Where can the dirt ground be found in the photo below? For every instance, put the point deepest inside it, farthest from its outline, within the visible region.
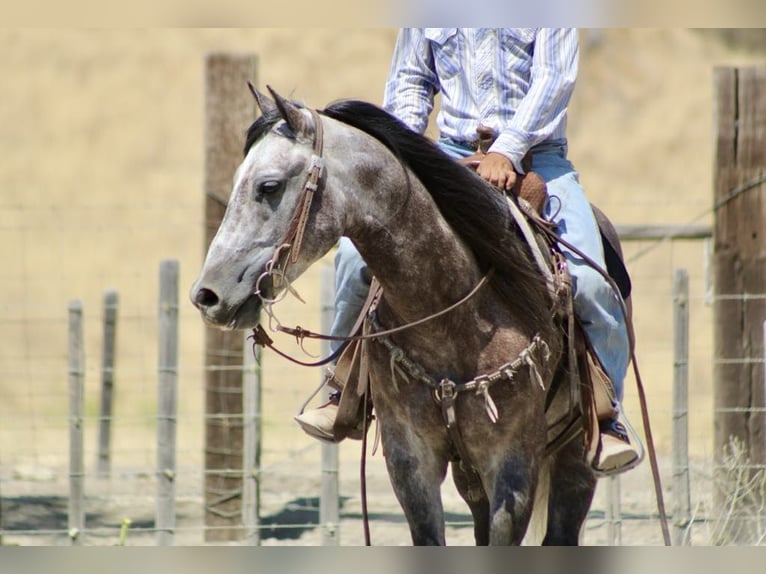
(34, 509)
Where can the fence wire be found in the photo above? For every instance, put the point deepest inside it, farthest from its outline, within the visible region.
(120, 508)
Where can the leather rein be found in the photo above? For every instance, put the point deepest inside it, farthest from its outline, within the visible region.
(291, 246)
(289, 251)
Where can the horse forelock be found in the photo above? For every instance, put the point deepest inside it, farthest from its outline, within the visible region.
(259, 128)
(270, 121)
(474, 209)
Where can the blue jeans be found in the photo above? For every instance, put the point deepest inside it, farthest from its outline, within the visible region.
(595, 303)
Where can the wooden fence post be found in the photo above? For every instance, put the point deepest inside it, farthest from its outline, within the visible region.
(167, 409)
(103, 462)
(681, 494)
(229, 110)
(76, 521)
(740, 285)
(329, 501)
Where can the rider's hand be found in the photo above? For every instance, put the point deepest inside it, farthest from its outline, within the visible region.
(497, 170)
(472, 161)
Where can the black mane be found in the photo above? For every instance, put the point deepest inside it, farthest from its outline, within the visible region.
(475, 210)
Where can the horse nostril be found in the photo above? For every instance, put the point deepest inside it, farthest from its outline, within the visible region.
(206, 298)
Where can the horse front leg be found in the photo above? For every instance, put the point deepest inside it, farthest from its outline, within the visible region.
(470, 487)
(571, 494)
(416, 476)
(512, 501)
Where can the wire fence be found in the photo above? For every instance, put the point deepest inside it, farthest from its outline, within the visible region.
(120, 506)
(105, 250)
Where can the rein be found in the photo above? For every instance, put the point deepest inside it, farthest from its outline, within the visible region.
(446, 390)
(639, 383)
(289, 251)
(261, 338)
(291, 246)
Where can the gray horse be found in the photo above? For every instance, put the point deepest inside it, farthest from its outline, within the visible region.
(431, 231)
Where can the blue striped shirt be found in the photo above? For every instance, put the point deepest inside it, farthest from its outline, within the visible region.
(515, 80)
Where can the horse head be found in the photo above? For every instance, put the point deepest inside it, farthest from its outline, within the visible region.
(257, 249)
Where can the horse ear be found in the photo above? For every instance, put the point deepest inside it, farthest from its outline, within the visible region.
(291, 114)
(265, 104)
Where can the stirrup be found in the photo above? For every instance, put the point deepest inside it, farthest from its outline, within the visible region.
(633, 439)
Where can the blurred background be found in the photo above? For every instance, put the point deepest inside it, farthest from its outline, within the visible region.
(102, 178)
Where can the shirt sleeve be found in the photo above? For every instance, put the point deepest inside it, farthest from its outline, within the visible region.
(412, 81)
(543, 108)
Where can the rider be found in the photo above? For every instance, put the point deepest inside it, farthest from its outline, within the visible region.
(518, 82)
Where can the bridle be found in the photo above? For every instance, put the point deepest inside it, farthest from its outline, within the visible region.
(297, 227)
(290, 246)
(288, 252)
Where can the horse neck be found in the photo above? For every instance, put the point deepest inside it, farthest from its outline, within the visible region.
(421, 263)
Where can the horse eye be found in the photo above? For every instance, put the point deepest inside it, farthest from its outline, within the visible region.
(270, 186)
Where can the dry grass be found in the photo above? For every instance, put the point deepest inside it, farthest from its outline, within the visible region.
(741, 489)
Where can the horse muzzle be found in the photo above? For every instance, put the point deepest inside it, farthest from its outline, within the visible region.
(227, 313)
